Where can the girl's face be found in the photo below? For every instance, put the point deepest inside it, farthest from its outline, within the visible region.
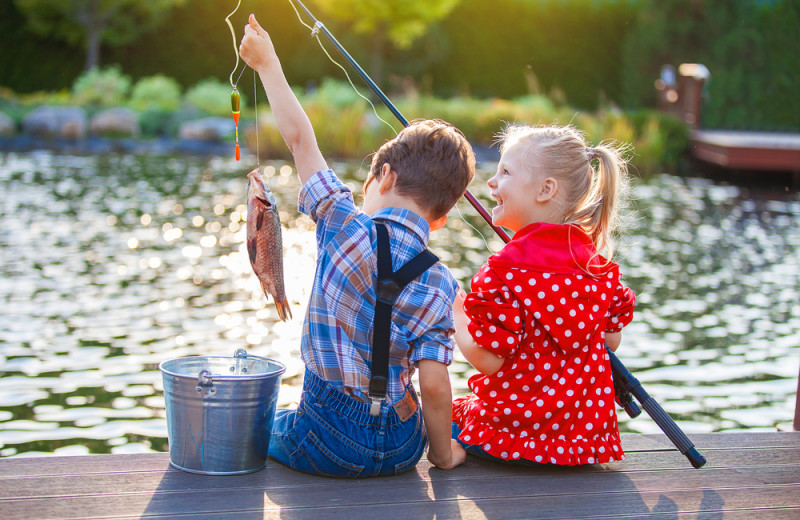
(514, 187)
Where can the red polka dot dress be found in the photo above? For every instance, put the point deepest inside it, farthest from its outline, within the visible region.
(536, 304)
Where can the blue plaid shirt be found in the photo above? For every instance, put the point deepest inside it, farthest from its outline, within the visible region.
(337, 332)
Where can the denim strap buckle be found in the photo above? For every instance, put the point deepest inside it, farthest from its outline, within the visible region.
(375, 406)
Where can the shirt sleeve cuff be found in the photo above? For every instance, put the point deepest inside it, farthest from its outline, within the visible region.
(321, 185)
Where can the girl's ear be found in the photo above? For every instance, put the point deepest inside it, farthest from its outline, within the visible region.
(547, 190)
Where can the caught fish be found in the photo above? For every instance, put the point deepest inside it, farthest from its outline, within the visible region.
(264, 244)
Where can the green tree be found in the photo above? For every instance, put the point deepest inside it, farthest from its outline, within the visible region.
(94, 22)
(398, 22)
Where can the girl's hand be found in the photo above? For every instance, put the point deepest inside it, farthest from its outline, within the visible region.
(460, 319)
(256, 48)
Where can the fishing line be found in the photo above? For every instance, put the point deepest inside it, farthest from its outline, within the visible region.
(315, 34)
(255, 110)
(235, 48)
(478, 231)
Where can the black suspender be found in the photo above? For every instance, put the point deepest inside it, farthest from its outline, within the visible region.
(390, 284)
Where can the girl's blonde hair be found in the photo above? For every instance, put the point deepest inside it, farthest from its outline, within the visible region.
(595, 179)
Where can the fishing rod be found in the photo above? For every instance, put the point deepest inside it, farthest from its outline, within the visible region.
(320, 27)
(625, 383)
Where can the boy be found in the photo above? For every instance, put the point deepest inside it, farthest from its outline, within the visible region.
(341, 427)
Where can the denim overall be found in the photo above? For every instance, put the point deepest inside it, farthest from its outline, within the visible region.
(334, 434)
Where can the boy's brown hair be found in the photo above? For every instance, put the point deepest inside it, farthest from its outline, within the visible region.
(433, 161)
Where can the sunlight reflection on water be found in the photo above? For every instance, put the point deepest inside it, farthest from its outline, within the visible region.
(113, 264)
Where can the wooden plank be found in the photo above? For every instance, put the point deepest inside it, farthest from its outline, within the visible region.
(631, 442)
(175, 482)
(279, 477)
(721, 440)
(752, 475)
(443, 498)
(739, 514)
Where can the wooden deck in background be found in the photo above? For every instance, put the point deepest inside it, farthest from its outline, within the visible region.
(747, 150)
(748, 476)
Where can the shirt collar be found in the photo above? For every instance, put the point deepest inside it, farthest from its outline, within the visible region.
(418, 225)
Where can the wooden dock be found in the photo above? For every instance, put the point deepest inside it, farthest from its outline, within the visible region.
(748, 476)
(747, 150)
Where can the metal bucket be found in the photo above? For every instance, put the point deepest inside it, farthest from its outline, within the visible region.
(220, 411)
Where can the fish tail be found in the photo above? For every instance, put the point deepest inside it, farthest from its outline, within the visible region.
(283, 309)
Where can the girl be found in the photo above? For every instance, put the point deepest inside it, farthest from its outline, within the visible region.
(542, 308)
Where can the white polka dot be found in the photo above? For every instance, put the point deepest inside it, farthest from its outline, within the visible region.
(540, 403)
(541, 295)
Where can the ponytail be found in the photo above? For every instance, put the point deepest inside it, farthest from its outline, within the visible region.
(597, 208)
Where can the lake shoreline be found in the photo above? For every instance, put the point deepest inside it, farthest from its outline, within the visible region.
(157, 146)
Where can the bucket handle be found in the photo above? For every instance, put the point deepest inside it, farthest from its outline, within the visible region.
(205, 381)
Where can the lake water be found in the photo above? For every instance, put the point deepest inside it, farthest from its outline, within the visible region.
(111, 264)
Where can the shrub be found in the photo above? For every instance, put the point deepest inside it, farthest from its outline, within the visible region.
(101, 87)
(156, 93)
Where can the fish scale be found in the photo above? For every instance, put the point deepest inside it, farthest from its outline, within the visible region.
(264, 242)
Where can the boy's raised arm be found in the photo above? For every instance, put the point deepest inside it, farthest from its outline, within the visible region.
(257, 51)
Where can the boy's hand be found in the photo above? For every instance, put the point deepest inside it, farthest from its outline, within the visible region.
(457, 457)
(256, 48)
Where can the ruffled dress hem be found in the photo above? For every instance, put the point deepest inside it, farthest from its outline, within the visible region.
(563, 451)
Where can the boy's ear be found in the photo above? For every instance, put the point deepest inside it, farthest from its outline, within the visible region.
(439, 223)
(547, 190)
(387, 180)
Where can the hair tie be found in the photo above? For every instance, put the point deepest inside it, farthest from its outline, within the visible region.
(591, 153)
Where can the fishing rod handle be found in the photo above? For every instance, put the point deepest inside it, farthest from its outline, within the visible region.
(673, 431)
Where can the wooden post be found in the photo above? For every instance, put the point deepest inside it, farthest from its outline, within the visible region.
(797, 406)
